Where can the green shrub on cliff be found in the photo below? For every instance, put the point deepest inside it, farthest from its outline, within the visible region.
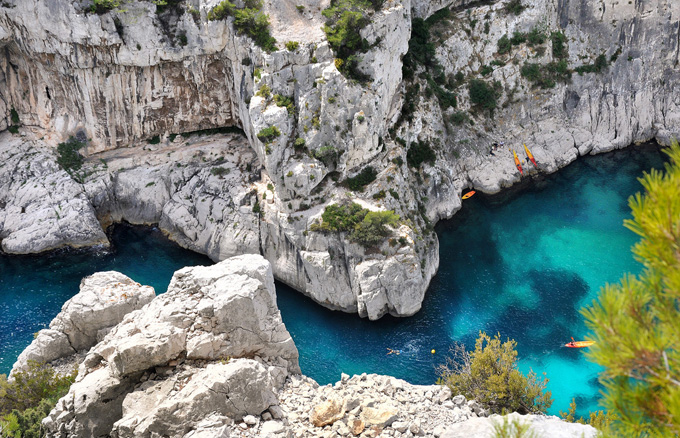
(68, 156)
(490, 376)
(26, 400)
(365, 227)
(249, 20)
(344, 21)
(362, 179)
(267, 135)
(636, 322)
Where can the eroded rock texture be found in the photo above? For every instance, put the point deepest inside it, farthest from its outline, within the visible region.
(214, 343)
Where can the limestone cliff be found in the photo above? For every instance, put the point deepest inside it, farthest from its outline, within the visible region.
(117, 79)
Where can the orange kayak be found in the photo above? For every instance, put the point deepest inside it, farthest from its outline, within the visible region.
(468, 194)
(530, 155)
(579, 344)
(517, 163)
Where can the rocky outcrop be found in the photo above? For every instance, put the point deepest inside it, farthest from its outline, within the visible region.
(104, 299)
(373, 405)
(541, 426)
(213, 343)
(41, 206)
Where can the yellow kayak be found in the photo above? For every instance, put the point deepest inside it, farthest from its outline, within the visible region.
(579, 344)
(530, 155)
(517, 163)
(469, 194)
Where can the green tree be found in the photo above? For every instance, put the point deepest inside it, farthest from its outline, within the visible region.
(373, 228)
(490, 376)
(636, 323)
(29, 397)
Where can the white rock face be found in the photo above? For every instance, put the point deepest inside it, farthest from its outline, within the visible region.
(41, 207)
(213, 343)
(104, 299)
(123, 77)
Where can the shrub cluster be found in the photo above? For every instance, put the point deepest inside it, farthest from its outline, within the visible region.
(362, 179)
(596, 67)
(249, 20)
(560, 49)
(546, 76)
(267, 135)
(421, 52)
(366, 227)
(327, 154)
(490, 376)
(27, 399)
(285, 101)
(344, 21)
(483, 95)
(419, 153)
(68, 156)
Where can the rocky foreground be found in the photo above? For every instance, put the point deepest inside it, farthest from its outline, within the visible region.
(212, 358)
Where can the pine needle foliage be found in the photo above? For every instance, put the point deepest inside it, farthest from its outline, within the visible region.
(636, 323)
(490, 376)
(29, 397)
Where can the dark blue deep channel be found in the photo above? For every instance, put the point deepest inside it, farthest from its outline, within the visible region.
(521, 263)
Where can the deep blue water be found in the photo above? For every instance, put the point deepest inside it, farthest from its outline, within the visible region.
(521, 264)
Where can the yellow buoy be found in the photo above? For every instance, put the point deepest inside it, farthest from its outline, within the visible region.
(433, 352)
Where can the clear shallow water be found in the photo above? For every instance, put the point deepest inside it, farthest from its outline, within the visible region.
(521, 264)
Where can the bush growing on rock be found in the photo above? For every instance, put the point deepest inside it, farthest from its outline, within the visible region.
(267, 135)
(68, 156)
(27, 399)
(419, 153)
(249, 20)
(490, 376)
(366, 227)
(362, 179)
(482, 94)
(635, 323)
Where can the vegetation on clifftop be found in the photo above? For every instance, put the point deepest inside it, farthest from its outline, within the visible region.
(365, 227)
(344, 21)
(26, 400)
(489, 375)
(249, 20)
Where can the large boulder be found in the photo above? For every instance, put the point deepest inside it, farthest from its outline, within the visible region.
(214, 342)
(235, 389)
(104, 299)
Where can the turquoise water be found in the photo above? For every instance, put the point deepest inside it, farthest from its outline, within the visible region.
(33, 288)
(521, 264)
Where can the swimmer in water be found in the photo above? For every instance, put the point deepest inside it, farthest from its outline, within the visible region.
(390, 351)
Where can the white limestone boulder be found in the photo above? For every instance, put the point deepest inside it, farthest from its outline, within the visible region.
(235, 389)
(103, 301)
(542, 426)
(224, 315)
